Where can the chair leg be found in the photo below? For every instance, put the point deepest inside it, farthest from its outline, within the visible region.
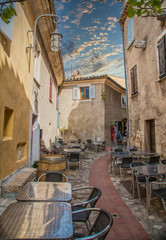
(163, 202)
(121, 173)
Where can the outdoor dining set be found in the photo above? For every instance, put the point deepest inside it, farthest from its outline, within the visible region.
(145, 167)
(48, 208)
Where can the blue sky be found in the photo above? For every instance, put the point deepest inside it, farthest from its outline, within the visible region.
(92, 39)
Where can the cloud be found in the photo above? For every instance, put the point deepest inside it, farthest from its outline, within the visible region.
(59, 7)
(67, 26)
(65, 18)
(101, 34)
(112, 18)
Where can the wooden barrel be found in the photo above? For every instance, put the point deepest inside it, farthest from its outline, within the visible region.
(51, 163)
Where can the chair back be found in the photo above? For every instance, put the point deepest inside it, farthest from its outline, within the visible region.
(74, 157)
(154, 159)
(54, 177)
(95, 194)
(163, 162)
(102, 225)
(126, 161)
(118, 150)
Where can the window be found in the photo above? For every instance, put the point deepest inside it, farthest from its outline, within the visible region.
(130, 28)
(50, 93)
(123, 101)
(84, 92)
(134, 86)
(162, 57)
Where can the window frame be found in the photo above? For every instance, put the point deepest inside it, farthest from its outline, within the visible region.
(130, 32)
(162, 74)
(134, 80)
(84, 87)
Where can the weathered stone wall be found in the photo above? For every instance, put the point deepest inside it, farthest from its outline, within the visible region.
(113, 110)
(150, 102)
(83, 118)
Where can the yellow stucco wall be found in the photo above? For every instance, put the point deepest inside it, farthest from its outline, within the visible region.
(16, 77)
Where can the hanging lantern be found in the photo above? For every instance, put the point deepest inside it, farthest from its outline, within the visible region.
(56, 40)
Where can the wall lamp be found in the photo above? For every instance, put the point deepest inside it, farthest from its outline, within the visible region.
(56, 37)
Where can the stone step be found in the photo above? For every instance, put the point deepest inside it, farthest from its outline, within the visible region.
(14, 183)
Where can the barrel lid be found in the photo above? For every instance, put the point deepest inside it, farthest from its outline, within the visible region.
(52, 157)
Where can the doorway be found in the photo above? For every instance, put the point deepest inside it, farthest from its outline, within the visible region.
(150, 144)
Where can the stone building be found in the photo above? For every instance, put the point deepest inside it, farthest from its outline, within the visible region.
(89, 104)
(28, 86)
(145, 50)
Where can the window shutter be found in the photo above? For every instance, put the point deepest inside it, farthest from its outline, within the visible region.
(162, 57)
(75, 93)
(50, 93)
(92, 91)
(135, 79)
(36, 73)
(130, 28)
(134, 86)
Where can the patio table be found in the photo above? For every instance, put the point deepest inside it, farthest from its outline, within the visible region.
(45, 192)
(32, 220)
(72, 150)
(138, 154)
(150, 170)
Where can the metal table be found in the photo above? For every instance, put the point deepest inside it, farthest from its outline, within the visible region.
(72, 150)
(45, 192)
(138, 154)
(31, 220)
(148, 171)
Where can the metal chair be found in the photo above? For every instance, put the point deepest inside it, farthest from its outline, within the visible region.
(154, 159)
(74, 158)
(159, 192)
(92, 199)
(100, 227)
(54, 177)
(125, 164)
(140, 179)
(163, 162)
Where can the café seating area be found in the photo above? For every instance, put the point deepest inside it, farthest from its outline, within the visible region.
(144, 168)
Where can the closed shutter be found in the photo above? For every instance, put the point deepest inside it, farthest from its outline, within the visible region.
(36, 73)
(92, 91)
(50, 93)
(162, 57)
(75, 93)
(134, 86)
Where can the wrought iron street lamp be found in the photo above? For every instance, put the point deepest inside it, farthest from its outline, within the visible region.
(56, 37)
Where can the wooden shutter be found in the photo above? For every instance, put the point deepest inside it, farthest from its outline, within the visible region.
(134, 86)
(130, 28)
(75, 93)
(50, 93)
(162, 57)
(92, 91)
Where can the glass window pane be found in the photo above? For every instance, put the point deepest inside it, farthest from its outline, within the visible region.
(82, 92)
(87, 92)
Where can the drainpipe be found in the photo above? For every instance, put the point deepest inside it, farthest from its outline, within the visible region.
(127, 111)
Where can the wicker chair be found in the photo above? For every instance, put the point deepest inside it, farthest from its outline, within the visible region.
(92, 199)
(100, 227)
(54, 177)
(125, 164)
(159, 192)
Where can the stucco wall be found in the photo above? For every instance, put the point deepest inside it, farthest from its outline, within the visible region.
(149, 103)
(84, 118)
(16, 88)
(113, 110)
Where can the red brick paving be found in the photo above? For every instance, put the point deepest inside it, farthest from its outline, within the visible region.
(126, 226)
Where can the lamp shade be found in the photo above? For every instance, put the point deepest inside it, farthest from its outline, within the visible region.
(56, 40)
